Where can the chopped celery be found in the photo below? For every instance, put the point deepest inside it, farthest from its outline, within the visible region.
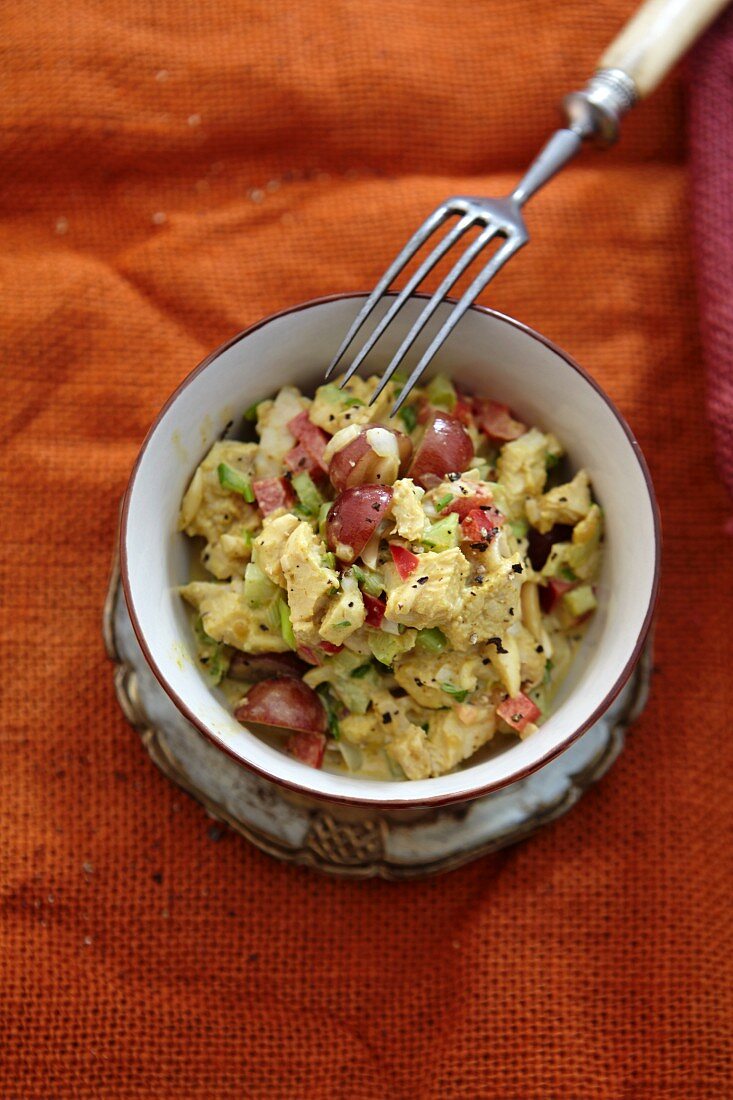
(211, 654)
(520, 527)
(258, 588)
(443, 534)
(352, 754)
(370, 581)
(444, 501)
(231, 479)
(579, 601)
(307, 493)
(386, 647)
(395, 770)
(329, 560)
(408, 416)
(433, 640)
(459, 694)
(251, 413)
(442, 392)
(330, 708)
(323, 516)
(286, 627)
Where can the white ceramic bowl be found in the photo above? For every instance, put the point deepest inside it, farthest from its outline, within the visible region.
(488, 354)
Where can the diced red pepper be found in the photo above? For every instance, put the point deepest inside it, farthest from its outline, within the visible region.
(309, 748)
(329, 647)
(551, 595)
(272, 493)
(496, 420)
(463, 505)
(312, 438)
(299, 461)
(374, 610)
(518, 712)
(481, 524)
(463, 410)
(308, 655)
(405, 560)
(424, 410)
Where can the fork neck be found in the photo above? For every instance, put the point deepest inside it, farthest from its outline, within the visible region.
(561, 148)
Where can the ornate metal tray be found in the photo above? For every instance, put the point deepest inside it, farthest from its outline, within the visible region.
(351, 841)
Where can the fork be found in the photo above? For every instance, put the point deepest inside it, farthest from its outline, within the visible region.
(632, 66)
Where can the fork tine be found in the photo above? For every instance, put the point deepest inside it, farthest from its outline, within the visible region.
(452, 277)
(495, 264)
(428, 227)
(425, 268)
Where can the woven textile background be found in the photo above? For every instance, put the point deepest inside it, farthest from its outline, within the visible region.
(171, 172)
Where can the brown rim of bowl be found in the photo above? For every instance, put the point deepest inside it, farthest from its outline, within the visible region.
(397, 803)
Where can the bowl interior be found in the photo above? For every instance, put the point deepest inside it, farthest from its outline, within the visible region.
(488, 354)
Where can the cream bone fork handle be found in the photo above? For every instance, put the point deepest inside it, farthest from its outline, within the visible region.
(632, 66)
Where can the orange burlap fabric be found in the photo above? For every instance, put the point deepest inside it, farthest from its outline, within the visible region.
(171, 172)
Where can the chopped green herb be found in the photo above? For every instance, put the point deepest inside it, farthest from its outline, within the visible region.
(235, 482)
(444, 501)
(336, 396)
(329, 705)
(286, 627)
(551, 460)
(398, 381)
(360, 672)
(459, 694)
(548, 672)
(433, 640)
(408, 416)
(442, 392)
(520, 527)
(339, 626)
(251, 413)
(307, 493)
(566, 573)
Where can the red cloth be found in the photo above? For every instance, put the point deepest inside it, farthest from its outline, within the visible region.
(711, 160)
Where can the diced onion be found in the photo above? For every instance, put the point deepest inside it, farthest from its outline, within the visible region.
(341, 439)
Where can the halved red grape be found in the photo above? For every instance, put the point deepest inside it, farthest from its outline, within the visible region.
(284, 702)
(263, 666)
(446, 448)
(309, 748)
(354, 517)
(359, 463)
